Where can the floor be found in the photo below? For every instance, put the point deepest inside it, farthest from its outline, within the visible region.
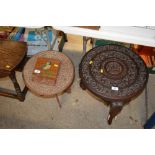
(80, 110)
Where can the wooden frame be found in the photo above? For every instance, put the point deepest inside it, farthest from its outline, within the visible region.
(18, 94)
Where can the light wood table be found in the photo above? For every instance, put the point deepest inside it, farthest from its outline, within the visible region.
(64, 79)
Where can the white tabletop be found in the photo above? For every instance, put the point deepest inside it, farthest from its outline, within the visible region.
(129, 34)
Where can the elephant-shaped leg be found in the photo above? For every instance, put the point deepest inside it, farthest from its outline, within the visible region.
(115, 109)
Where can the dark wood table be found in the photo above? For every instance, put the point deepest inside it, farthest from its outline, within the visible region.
(11, 54)
(113, 73)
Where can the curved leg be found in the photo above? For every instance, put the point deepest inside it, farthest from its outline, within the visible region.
(82, 85)
(63, 40)
(115, 109)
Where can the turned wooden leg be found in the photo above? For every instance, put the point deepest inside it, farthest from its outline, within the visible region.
(115, 109)
(20, 95)
(82, 85)
(58, 101)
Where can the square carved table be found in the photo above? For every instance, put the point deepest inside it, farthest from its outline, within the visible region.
(113, 73)
(64, 80)
(11, 54)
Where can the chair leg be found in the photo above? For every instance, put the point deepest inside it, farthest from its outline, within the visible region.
(65, 37)
(48, 39)
(62, 42)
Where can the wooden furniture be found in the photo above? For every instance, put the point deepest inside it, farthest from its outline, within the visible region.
(5, 31)
(64, 79)
(3, 35)
(11, 54)
(113, 73)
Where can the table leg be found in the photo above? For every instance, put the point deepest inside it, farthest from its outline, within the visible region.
(68, 90)
(58, 101)
(20, 94)
(93, 42)
(82, 85)
(84, 44)
(115, 109)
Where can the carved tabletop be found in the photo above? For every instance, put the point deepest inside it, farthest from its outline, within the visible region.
(114, 73)
(64, 79)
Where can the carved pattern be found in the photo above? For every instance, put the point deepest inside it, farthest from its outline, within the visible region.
(121, 68)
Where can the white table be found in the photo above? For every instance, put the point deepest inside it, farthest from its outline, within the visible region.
(129, 34)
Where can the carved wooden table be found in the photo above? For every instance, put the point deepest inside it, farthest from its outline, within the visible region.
(113, 73)
(11, 54)
(64, 79)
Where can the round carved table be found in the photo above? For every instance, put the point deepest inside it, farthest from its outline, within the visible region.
(64, 79)
(113, 73)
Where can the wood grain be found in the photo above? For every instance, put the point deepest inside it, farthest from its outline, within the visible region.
(90, 27)
(11, 54)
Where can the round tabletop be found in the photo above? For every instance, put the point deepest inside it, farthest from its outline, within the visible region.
(113, 72)
(11, 54)
(64, 79)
